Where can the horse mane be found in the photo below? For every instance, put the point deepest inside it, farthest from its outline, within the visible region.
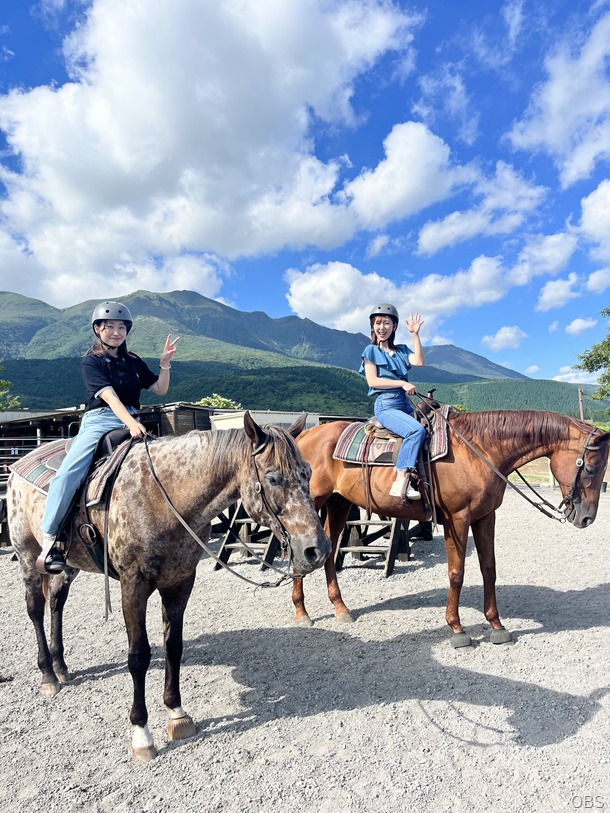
(230, 447)
(531, 425)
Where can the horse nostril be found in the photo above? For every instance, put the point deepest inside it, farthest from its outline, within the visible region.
(313, 555)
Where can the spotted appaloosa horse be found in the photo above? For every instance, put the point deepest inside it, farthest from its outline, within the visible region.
(467, 492)
(202, 473)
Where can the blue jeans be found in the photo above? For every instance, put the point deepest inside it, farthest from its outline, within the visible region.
(73, 470)
(394, 411)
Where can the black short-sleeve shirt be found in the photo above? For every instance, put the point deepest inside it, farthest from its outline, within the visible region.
(128, 376)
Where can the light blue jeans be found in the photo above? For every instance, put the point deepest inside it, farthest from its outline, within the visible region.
(73, 470)
(394, 411)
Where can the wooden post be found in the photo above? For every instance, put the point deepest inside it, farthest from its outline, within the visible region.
(581, 403)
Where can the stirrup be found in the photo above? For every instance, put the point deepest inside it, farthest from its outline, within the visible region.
(54, 562)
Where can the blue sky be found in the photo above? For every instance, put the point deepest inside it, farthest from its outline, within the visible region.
(315, 157)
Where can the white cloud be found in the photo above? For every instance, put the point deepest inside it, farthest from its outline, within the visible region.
(554, 327)
(595, 221)
(556, 293)
(506, 199)
(572, 376)
(598, 281)
(505, 337)
(532, 369)
(444, 95)
(578, 326)
(494, 54)
(377, 245)
(189, 130)
(569, 114)
(338, 295)
(512, 12)
(415, 173)
(543, 254)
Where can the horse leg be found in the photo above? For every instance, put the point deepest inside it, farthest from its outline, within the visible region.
(180, 725)
(135, 594)
(35, 603)
(456, 538)
(483, 531)
(58, 594)
(337, 510)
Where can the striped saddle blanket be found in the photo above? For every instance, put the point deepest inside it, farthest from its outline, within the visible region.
(40, 466)
(355, 444)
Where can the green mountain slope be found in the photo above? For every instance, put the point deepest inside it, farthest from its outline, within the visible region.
(29, 329)
(263, 363)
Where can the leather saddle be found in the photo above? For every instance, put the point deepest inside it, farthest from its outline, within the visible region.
(106, 445)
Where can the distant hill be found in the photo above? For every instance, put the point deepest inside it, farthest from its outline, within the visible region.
(30, 329)
(290, 364)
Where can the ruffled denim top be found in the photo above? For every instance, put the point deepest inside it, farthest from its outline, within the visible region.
(396, 366)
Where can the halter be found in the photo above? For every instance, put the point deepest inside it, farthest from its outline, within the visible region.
(285, 536)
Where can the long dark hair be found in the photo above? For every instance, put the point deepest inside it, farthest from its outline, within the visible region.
(391, 344)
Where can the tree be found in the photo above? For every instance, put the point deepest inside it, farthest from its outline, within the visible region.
(218, 401)
(598, 358)
(7, 401)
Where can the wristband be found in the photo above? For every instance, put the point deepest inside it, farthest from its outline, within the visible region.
(164, 368)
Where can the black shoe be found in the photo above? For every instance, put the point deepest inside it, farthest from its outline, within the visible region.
(55, 561)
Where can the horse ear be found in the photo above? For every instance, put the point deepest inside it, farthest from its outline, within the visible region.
(298, 426)
(256, 434)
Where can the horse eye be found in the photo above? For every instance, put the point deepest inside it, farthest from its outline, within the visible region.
(274, 478)
(590, 470)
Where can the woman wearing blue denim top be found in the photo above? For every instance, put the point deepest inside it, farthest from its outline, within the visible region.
(113, 379)
(386, 367)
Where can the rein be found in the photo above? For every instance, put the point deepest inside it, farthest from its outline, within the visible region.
(566, 503)
(284, 541)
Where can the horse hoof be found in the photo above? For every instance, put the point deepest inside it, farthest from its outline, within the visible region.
(303, 621)
(500, 636)
(50, 689)
(181, 729)
(144, 754)
(63, 676)
(345, 618)
(460, 639)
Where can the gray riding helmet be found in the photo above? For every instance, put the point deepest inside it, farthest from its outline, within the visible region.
(107, 311)
(385, 309)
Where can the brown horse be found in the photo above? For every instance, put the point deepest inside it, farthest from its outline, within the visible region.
(202, 473)
(467, 492)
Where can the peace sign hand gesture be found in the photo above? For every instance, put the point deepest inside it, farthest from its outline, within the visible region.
(168, 351)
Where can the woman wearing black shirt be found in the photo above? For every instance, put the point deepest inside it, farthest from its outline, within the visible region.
(113, 379)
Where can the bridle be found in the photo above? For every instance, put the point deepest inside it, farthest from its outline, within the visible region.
(281, 533)
(565, 507)
(279, 530)
(568, 501)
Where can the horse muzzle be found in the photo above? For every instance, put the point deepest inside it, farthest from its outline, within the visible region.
(579, 514)
(308, 554)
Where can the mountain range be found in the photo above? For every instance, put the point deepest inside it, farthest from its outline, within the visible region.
(261, 362)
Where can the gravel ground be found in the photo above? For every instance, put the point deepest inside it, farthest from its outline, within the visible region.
(379, 715)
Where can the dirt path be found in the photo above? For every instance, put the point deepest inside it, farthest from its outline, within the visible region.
(378, 716)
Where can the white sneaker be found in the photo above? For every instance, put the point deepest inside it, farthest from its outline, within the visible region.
(397, 487)
(412, 493)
